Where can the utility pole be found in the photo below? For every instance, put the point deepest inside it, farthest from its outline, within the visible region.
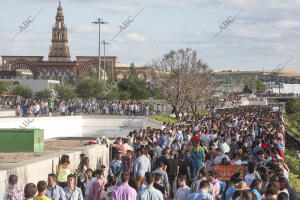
(104, 66)
(99, 22)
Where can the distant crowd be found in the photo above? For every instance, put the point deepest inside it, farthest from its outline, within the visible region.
(69, 108)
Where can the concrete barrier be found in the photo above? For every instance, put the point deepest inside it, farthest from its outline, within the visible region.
(77, 126)
(7, 113)
(32, 171)
(148, 122)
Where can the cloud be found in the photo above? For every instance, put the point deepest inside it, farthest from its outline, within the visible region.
(136, 37)
(93, 28)
(288, 24)
(120, 9)
(252, 32)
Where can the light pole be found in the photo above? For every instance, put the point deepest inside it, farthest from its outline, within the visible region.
(104, 65)
(99, 22)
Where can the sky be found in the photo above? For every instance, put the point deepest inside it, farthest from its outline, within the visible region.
(263, 35)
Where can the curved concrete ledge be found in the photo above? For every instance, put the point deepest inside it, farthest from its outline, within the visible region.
(37, 169)
(75, 126)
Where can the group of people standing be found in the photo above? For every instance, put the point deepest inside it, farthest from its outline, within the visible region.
(177, 162)
(68, 108)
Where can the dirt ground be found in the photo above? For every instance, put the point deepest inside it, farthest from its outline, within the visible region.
(51, 147)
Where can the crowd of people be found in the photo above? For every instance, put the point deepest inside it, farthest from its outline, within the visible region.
(178, 162)
(272, 94)
(69, 108)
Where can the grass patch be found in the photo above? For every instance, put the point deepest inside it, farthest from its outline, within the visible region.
(294, 165)
(202, 112)
(292, 123)
(165, 118)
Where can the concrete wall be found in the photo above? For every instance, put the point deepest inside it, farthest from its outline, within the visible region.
(148, 122)
(38, 169)
(7, 113)
(77, 126)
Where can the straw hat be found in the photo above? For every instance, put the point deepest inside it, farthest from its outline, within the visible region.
(241, 186)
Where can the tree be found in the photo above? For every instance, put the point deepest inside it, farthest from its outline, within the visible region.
(6, 87)
(202, 90)
(90, 88)
(260, 86)
(182, 79)
(65, 92)
(246, 89)
(92, 72)
(23, 91)
(292, 106)
(254, 84)
(132, 87)
(44, 94)
(111, 91)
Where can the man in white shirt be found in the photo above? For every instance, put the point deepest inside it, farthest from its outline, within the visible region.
(220, 156)
(184, 190)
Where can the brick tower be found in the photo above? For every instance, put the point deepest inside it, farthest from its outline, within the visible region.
(59, 49)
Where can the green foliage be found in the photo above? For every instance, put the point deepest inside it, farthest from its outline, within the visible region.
(254, 83)
(165, 118)
(90, 88)
(260, 86)
(111, 76)
(132, 87)
(292, 106)
(6, 87)
(292, 119)
(246, 89)
(65, 92)
(44, 94)
(111, 91)
(293, 163)
(154, 92)
(92, 72)
(292, 123)
(202, 112)
(23, 91)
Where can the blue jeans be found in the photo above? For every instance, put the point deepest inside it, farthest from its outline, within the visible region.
(173, 185)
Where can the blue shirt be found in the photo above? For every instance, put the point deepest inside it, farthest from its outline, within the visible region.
(24, 108)
(116, 168)
(256, 150)
(199, 195)
(197, 160)
(254, 191)
(56, 194)
(1, 197)
(163, 141)
(229, 193)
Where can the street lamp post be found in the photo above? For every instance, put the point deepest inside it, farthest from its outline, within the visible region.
(99, 22)
(104, 64)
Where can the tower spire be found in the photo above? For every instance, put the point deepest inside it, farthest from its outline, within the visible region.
(59, 49)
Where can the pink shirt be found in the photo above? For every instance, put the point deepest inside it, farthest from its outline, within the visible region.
(96, 189)
(217, 188)
(123, 192)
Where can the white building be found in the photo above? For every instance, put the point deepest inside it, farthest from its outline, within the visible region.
(35, 85)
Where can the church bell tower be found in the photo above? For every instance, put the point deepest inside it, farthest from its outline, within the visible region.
(59, 49)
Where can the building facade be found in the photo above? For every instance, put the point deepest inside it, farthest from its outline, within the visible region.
(59, 64)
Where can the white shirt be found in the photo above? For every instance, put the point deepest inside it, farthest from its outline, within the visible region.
(182, 193)
(249, 178)
(218, 159)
